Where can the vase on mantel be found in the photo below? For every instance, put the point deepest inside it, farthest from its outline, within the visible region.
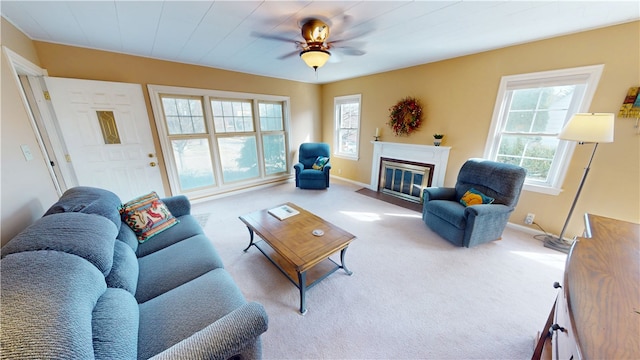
(437, 139)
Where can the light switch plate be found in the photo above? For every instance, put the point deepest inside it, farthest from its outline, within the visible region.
(26, 151)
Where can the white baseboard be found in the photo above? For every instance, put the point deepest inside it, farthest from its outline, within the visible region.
(351, 181)
(525, 229)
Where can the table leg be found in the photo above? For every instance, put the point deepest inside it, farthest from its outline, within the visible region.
(343, 266)
(250, 240)
(302, 280)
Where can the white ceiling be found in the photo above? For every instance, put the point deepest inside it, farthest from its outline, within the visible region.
(222, 34)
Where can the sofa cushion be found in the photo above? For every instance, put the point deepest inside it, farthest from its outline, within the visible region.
(166, 269)
(147, 216)
(124, 272)
(128, 237)
(115, 325)
(181, 311)
(187, 228)
(47, 303)
(89, 236)
(89, 200)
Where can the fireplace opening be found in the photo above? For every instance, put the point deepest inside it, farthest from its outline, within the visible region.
(404, 179)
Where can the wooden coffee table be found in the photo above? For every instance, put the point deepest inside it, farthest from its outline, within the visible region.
(294, 249)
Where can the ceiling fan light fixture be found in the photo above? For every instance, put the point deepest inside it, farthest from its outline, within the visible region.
(315, 58)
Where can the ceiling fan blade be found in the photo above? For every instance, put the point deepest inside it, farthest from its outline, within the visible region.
(288, 55)
(274, 37)
(352, 51)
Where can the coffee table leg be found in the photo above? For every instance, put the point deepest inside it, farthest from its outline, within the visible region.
(251, 239)
(344, 267)
(302, 280)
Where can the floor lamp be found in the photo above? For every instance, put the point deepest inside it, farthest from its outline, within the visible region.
(584, 128)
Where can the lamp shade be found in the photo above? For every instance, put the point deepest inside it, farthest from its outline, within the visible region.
(589, 128)
(315, 58)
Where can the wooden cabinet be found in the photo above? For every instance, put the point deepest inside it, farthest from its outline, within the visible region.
(597, 311)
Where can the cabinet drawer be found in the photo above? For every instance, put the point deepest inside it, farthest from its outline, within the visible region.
(564, 343)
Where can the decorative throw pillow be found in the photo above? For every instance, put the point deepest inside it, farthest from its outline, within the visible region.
(147, 216)
(320, 162)
(475, 197)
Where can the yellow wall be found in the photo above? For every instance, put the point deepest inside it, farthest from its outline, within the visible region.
(27, 190)
(458, 97)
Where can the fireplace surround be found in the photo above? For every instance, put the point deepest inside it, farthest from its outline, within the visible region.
(404, 179)
(436, 157)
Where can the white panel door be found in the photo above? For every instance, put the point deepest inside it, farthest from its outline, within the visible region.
(114, 151)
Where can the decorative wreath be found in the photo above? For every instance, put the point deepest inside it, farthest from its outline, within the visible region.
(405, 116)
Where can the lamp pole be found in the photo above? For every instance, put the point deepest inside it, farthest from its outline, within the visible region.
(559, 244)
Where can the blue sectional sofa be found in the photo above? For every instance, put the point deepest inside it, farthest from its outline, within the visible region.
(77, 284)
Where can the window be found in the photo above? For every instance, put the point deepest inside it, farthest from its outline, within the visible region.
(347, 131)
(216, 140)
(530, 111)
(187, 133)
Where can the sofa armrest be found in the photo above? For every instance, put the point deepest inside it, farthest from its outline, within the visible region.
(298, 167)
(224, 338)
(326, 168)
(178, 205)
(438, 193)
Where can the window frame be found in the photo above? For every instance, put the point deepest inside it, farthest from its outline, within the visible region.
(156, 92)
(337, 102)
(587, 75)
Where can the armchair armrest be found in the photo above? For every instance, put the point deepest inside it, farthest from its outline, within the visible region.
(438, 193)
(298, 167)
(224, 338)
(178, 205)
(326, 168)
(487, 210)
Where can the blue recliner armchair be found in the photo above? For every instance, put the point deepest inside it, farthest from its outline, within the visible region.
(306, 176)
(474, 224)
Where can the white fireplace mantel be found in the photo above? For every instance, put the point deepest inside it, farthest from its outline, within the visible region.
(436, 155)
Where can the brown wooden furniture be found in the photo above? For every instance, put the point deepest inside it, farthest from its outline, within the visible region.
(597, 312)
(293, 248)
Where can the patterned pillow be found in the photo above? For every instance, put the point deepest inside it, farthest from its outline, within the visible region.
(320, 162)
(147, 216)
(475, 197)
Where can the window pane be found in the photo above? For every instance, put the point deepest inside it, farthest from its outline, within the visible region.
(534, 153)
(271, 118)
(183, 115)
(540, 110)
(238, 157)
(193, 162)
(232, 116)
(275, 159)
(348, 141)
(349, 115)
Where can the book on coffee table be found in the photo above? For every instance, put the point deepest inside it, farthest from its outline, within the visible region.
(284, 211)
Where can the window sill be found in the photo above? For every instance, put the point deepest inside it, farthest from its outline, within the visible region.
(542, 189)
(348, 157)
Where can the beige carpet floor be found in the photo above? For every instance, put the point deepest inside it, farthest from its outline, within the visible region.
(412, 294)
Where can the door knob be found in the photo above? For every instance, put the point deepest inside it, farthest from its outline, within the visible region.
(152, 164)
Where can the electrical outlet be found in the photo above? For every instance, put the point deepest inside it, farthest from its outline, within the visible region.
(529, 219)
